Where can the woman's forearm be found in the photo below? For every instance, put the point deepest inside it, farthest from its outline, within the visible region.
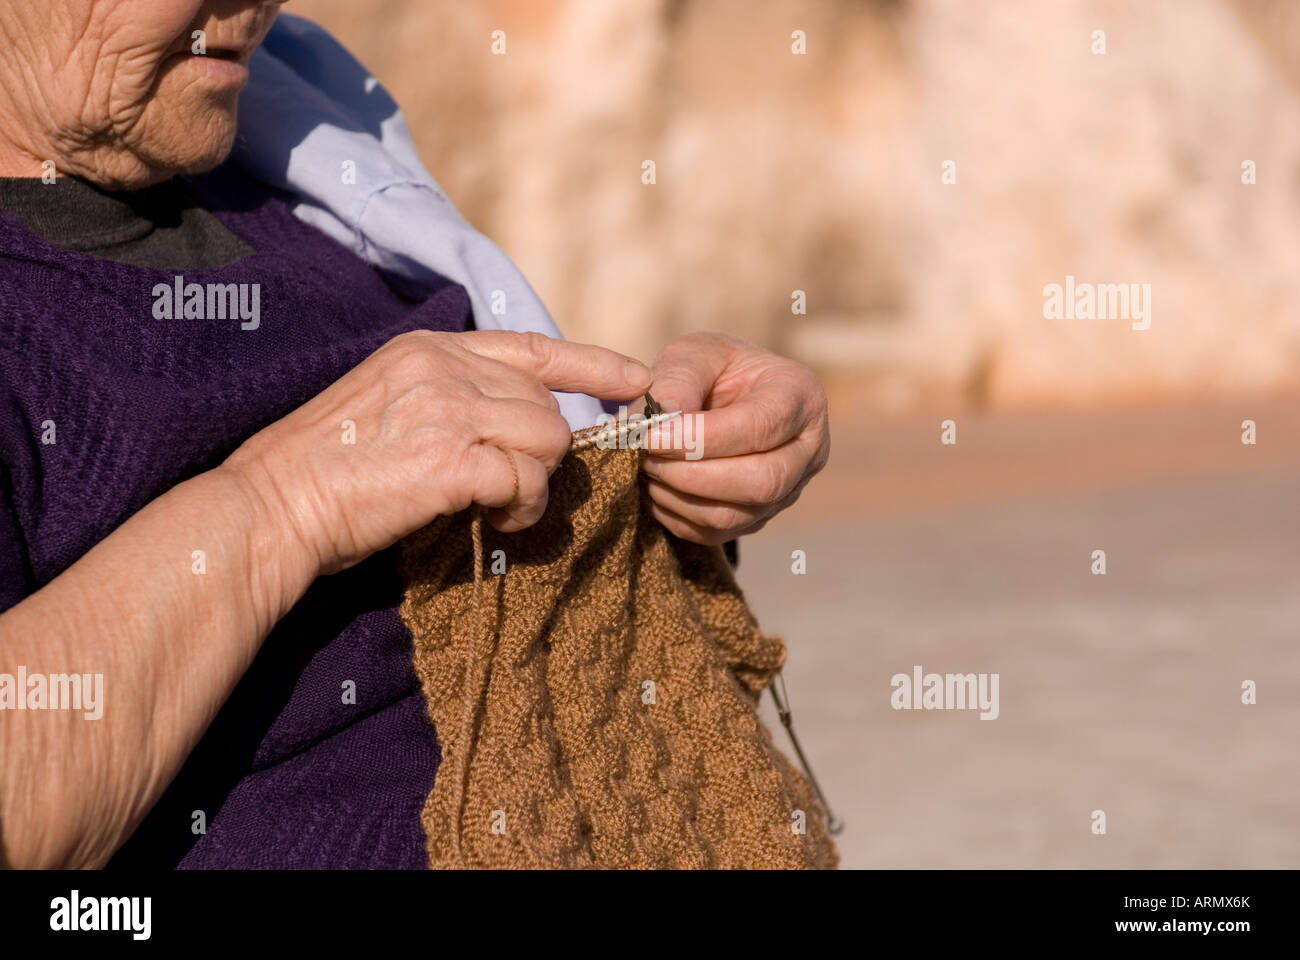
(170, 609)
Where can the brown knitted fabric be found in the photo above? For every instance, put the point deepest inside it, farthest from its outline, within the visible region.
(596, 703)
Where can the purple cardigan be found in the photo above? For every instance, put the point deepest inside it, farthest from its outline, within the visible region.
(288, 775)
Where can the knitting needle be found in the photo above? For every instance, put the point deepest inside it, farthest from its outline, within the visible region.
(611, 435)
(833, 824)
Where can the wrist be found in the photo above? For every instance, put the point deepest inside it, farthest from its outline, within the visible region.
(281, 564)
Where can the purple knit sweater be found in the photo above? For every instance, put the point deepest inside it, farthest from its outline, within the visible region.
(288, 775)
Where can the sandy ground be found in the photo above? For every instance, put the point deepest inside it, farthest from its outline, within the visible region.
(1119, 693)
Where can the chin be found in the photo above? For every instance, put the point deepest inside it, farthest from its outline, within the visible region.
(205, 153)
(207, 147)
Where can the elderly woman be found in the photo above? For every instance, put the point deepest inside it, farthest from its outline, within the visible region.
(198, 493)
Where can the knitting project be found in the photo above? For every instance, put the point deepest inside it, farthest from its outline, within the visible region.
(596, 702)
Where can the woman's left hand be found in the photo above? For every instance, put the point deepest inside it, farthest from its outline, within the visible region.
(760, 428)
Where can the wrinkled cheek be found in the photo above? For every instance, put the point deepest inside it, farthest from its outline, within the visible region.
(116, 93)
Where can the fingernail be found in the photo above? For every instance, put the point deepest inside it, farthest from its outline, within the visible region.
(636, 373)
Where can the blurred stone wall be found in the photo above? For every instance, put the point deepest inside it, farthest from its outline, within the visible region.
(822, 173)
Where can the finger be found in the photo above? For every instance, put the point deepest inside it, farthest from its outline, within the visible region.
(524, 426)
(687, 529)
(756, 478)
(681, 527)
(512, 483)
(563, 365)
(500, 381)
(770, 414)
(709, 514)
(686, 370)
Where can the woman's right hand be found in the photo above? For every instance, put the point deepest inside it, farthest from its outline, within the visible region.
(294, 501)
(430, 417)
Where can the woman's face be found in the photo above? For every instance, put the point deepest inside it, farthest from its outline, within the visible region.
(113, 90)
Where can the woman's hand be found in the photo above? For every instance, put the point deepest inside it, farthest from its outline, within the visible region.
(430, 410)
(425, 426)
(763, 434)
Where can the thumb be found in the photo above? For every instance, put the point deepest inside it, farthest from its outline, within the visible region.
(686, 370)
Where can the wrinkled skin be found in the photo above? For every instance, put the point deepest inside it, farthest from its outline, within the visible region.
(112, 91)
(109, 89)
